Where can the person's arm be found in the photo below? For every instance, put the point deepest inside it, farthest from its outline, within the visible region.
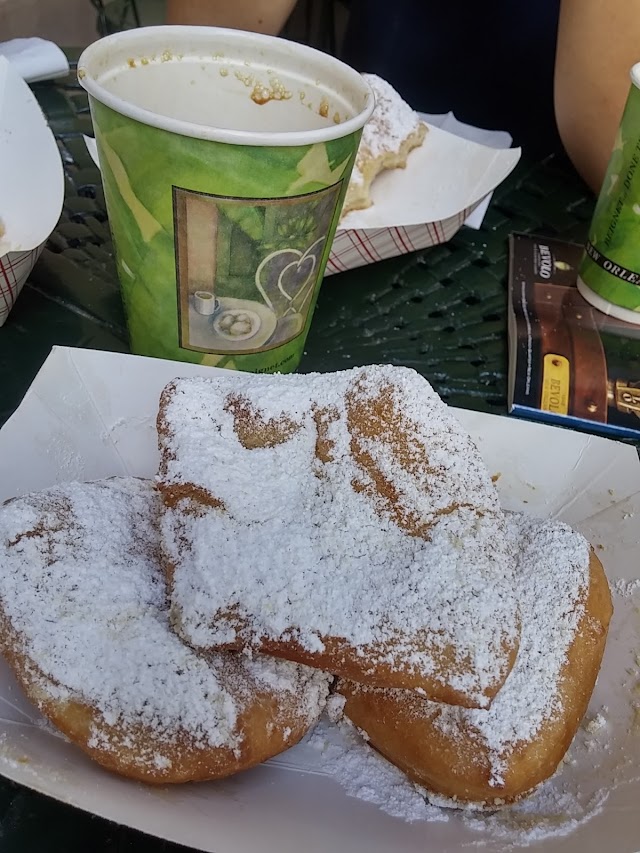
(598, 42)
(260, 16)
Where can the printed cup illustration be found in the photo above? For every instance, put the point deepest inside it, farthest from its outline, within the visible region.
(31, 184)
(609, 275)
(225, 157)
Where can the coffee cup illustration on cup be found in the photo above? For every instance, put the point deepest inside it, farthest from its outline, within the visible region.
(205, 302)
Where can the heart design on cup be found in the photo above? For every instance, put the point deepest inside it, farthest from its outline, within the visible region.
(296, 275)
(285, 278)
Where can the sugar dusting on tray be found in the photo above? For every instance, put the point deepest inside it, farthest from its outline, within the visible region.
(626, 588)
(555, 810)
(364, 774)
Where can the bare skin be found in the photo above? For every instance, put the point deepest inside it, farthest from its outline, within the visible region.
(260, 16)
(598, 42)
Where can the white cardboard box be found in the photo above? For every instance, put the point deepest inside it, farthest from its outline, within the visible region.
(92, 414)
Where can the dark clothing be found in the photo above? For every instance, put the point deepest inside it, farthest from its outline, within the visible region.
(491, 63)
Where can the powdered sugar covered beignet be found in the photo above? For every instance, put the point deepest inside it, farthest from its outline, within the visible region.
(495, 756)
(392, 132)
(84, 624)
(341, 520)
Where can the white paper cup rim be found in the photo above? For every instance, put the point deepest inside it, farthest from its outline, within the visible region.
(97, 56)
(605, 307)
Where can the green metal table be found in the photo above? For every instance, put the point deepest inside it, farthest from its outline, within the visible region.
(441, 311)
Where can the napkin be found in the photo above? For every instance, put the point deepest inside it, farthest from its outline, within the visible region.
(35, 59)
(491, 138)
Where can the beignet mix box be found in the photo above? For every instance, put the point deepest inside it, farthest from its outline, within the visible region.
(570, 364)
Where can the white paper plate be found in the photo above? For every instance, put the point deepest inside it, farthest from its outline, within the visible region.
(91, 414)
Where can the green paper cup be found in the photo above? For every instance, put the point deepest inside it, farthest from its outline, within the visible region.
(225, 157)
(609, 274)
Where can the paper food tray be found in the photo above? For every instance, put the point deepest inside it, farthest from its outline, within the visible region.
(424, 204)
(92, 414)
(31, 184)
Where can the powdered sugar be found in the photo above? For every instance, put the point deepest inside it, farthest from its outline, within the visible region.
(364, 774)
(596, 724)
(625, 588)
(552, 578)
(393, 120)
(552, 812)
(307, 545)
(81, 587)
